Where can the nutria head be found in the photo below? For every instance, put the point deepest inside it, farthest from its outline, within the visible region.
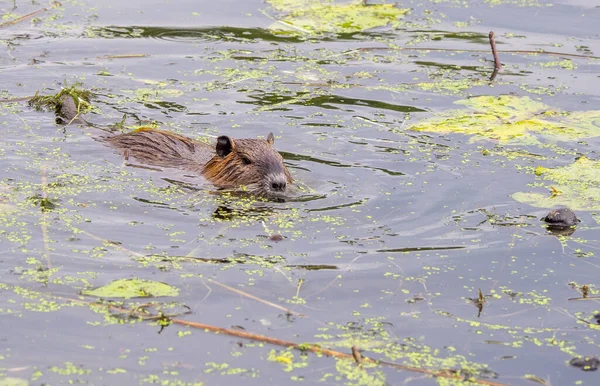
(251, 163)
(561, 218)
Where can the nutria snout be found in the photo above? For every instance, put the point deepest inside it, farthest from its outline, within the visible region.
(250, 164)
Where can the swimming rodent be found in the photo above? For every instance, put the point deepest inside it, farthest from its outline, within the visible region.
(561, 218)
(251, 164)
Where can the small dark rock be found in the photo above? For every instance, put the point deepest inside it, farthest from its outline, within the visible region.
(585, 363)
(561, 218)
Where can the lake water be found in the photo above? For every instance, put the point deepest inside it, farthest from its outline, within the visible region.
(393, 231)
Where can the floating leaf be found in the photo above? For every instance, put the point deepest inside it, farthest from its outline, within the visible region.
(133, 288)
(509, 118)
(325, 16)
(578, 184)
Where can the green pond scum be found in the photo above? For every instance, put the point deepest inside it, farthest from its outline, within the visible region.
(309, 17)
(132, 288)
(576, 186)
(513, 120)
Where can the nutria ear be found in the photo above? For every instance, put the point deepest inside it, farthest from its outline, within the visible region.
(270, 138)
(224, 146)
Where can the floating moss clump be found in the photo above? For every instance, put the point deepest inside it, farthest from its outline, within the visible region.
(69, 104)
(133, 288)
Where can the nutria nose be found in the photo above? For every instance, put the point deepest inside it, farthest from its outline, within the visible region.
(278, 186)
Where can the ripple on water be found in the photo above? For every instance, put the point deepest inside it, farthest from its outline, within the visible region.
(193, 35)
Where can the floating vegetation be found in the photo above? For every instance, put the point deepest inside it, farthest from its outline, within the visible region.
(324, 16)
(132, 288)
(12, 381)
(513, 119)
(69, 104)
(576, 186)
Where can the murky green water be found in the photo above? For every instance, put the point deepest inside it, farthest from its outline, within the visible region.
(393, 230)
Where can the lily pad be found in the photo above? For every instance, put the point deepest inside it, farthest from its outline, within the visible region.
(325, 16)
(576, 186)
(133, 288)
(509, 118)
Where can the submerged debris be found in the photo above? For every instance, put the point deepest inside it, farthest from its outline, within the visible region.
(585, 363)
(561, 218)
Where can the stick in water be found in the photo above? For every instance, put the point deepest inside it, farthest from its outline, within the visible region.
(54, 4)
(497, 64)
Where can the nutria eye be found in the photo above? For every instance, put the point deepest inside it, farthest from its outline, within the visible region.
(246, 160)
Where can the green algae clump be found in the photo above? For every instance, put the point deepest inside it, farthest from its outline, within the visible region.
(323, 16)
(512, 119)
(132, 288)
(576, 186)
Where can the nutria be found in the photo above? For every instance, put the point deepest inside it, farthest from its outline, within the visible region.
(251, 164)
(561, 218)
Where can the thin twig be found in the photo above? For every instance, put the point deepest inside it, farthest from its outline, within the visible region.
(586, 298)
(356, 354)
(448, 374)
(111, 243)
(497, 64)
(136, 313)
(44, 222)
(240, 292)
(76, 116)
(12, 100)
(124, 56)
(55, 4)
(237, 291)
(444, 373)
(289, 25)
(524, 52)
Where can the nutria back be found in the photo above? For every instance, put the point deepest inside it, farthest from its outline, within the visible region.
(251, 164)
(561, 218)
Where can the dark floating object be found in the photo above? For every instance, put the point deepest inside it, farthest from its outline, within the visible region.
(69, 105)
(585, 363)
(561, 218)
(312, 267)
(276, 237)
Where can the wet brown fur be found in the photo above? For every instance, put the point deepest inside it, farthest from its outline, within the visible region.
(252, 163)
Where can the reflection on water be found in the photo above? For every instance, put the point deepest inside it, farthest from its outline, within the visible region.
(193, 35)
